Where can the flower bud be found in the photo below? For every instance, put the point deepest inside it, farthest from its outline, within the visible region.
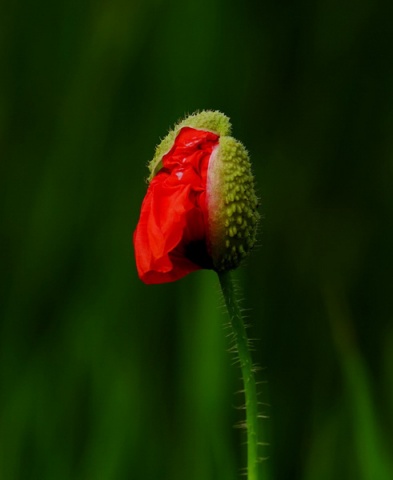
(200, 210)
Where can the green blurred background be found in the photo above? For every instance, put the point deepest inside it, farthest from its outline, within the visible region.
(104, 378)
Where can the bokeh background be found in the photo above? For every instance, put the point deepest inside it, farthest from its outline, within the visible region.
(104, 378)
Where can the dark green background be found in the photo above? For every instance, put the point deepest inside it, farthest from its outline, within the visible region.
(104, 378)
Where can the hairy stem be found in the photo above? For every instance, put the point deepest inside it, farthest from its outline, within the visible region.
(250, 391)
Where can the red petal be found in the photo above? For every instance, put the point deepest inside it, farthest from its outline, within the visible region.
(173, 214)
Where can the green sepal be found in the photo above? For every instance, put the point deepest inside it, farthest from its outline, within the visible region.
(232, 205)
(210, 120)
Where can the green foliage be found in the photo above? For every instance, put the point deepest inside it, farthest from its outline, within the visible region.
(104, 378)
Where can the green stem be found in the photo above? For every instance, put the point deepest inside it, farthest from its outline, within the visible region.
(250, 391)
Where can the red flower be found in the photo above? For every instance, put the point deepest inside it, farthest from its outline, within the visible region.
(171, 236)
(189, 221)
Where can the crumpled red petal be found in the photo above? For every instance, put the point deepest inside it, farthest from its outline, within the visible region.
(173, 214)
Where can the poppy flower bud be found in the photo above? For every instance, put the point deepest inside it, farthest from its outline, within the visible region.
(200, 210)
